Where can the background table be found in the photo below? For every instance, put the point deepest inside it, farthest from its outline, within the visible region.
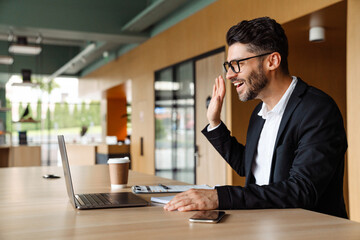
(35, 208)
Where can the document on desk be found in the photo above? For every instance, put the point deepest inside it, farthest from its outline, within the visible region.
(167, 188)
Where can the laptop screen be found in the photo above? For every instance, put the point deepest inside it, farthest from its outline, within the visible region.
(66, 167)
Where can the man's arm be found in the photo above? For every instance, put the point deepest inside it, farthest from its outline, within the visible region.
(228, 147)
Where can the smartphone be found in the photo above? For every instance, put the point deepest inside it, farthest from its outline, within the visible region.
(207, 216)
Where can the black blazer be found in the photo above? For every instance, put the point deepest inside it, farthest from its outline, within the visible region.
(308, 161)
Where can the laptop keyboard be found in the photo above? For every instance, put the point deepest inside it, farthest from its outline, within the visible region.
(98, 199)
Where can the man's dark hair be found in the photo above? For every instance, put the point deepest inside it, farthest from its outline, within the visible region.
(262, 35)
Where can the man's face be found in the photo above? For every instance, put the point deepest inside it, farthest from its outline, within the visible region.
(251, 79)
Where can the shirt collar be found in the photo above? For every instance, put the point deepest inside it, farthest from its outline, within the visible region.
(281, 105)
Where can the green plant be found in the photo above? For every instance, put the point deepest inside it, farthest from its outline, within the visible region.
(46, 86)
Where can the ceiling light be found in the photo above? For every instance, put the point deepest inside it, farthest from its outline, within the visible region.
(22, 48)
(317, 34)
(7, 60)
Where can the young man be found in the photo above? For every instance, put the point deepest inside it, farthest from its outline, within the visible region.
(294, 152)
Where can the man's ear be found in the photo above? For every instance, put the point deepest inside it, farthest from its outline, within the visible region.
(273, 61)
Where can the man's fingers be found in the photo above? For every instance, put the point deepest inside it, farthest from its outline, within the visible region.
(181, 202)
(189, 207)
(194, 199)
(183, 206)
(219, 87)
(214, 91)
(176, 202)
(222, 88)
(217, 83)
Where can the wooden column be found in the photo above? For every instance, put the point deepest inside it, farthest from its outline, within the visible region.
(353, 99)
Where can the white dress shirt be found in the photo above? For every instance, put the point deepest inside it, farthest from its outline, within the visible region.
(261, 166)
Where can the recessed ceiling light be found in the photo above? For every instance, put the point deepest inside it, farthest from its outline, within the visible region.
(22, 48)
(7, 60)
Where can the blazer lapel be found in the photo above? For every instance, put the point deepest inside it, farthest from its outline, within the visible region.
(251, 146)
(291, 105)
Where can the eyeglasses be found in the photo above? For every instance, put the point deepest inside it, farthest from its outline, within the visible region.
(235, 66)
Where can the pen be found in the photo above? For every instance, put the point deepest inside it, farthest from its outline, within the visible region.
(164, 186)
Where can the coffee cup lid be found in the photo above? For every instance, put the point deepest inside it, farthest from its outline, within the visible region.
(118, 160)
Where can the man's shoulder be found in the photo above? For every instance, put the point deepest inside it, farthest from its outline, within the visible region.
(315, 103)
(317, 93)
(309, 95)
(314, 97)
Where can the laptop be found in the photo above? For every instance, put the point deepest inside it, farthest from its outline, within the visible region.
(95, 200)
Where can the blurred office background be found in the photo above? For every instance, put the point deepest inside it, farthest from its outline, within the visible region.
(133, 78)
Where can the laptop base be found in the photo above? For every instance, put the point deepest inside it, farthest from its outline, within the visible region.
(108, 200)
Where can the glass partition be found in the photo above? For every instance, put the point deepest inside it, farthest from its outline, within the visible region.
(174, 122)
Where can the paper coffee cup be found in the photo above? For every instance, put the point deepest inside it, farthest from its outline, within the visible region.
(119, 169)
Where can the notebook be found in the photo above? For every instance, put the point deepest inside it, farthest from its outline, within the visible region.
(95, 200)
(162, 200)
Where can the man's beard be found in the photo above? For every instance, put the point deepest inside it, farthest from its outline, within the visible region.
(256, 82)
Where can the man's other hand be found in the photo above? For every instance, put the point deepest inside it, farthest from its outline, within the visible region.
(194, 199)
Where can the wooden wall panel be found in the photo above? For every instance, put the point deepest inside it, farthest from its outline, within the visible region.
(353, 99)
(200, 33)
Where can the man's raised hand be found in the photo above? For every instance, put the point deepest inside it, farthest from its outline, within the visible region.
(217, 99)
